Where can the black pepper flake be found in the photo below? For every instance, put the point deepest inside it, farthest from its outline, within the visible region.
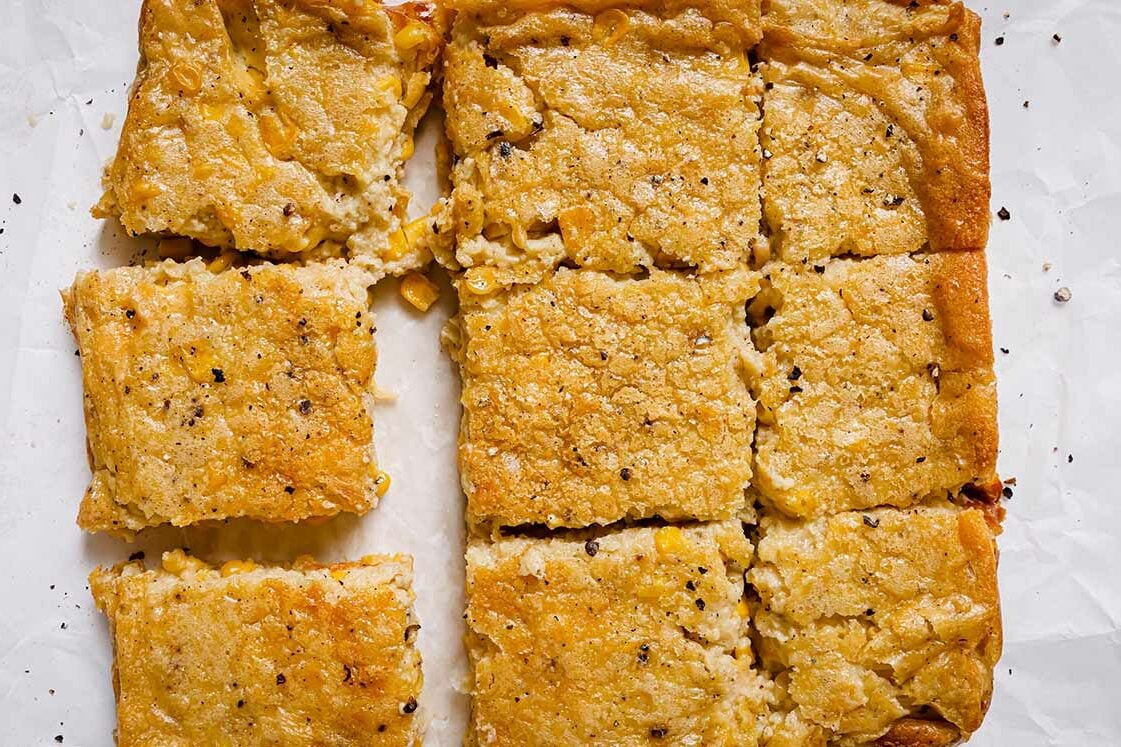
(289, 209)
(1003, 214)
(495, 134)
(625, 473)
(954, 37)
(795, 374)
(1062, 295)
(58, 738)
(644, 653)
(1056, 38)
(893, 200)
(505, 149)
(240, 703)
(890, 131)
(869, 612)
(219, 376)
(409, 705)
(870, 521)
(490, 61)
(138, 555)
(289, 489)
(1005, 351)
(305, 406)
(658, 732)
(700, 604)
(130, 313)
(281, 679)
(16, 198)
(927, 315)
(1000, 41)
(690, 585)
(1006, 492)
(591, 547)
(819, 269)
(796, 389)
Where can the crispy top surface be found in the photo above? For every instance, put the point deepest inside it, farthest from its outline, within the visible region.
(631, 638)
(868, 617)
(877, 383)
(588, 399)
(614, 138)
(246, 655)
(738, 16)
(877, 127)
(242, 393)
(272, 126)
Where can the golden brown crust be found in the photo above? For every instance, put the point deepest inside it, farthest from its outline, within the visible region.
(917, 733)
(588, 399)
(208, 396)
(275, 127)
(903, 160)
(742, 15)
(877, 384)
(263, 655)
(870, 617)
(615, 138)
(637, 638)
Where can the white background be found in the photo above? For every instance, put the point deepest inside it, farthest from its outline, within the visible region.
(1056, 167)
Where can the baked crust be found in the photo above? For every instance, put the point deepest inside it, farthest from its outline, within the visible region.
(258, 655)
(869, 618)
(877, 385)
(588, 399)
(630, 638)
(876, 128)
(245, 392)
(275, 126)
(613, 136)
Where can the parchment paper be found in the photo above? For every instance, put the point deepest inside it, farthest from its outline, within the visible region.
(65, 67)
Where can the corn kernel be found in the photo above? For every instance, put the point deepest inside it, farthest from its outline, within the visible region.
(392, 84)
(339, 573)
(407, 149)
(145, 190)
(519, 236)
(279, 134)
(222, 262)
(186, 78)
(213, 112)
(669, 540)
(610, 26)
(413, 34)
(381, 484)
(178, 562)
(741, 608)
(417, 230)
(419, 291)
(398, 245)
(481, 280)
(231, 567)
(418, 84)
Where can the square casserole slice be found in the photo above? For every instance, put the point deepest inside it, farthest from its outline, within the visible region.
(878, 385)
(880, 626)
(247, 655)
(614, 135)
(876, 130)
(634, 637)
(588, 399)
(245, 392)
(275, 127)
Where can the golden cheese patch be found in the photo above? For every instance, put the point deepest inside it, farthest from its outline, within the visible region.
(245, 392)
(631, 637)
(275, 127)
(588, 399)
(263, 655)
